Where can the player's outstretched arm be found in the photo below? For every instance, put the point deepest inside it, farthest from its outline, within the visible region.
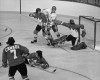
(32, 15)
(66, 24)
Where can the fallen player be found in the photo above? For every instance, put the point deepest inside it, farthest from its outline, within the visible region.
(37, 59)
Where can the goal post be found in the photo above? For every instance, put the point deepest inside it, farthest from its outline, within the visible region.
(20, 6)
(95, 21)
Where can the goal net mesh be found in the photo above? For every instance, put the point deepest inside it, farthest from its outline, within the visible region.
(90, 32)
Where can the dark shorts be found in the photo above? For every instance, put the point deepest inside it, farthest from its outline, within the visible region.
(72, 39)
(38, 28)
(21, 68)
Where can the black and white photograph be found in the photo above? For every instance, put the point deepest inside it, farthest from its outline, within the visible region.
(49, 39)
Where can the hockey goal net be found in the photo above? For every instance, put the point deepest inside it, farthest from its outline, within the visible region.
(92, 26)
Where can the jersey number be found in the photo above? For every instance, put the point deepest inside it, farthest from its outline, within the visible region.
(14, 52)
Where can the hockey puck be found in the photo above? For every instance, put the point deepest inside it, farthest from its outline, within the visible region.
(54, 70)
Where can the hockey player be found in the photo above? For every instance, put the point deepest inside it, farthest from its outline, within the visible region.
(41, 25)
(52, 16)
(12, 54)
(74, 31)
(37, 59)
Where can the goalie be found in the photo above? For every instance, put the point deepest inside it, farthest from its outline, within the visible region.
(74, 33)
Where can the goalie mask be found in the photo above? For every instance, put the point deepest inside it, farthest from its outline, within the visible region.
(71, 21)
(38, 10)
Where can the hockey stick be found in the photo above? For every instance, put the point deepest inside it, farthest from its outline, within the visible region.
(49, 69)
(4, 29)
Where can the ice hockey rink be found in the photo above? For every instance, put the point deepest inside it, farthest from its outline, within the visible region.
(69, 64)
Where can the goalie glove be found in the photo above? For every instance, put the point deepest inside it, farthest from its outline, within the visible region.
(83, 33)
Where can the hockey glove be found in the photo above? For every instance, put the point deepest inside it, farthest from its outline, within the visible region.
(83, 33)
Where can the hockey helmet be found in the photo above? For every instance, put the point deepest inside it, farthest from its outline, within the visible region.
(10, 41)
(37, 10)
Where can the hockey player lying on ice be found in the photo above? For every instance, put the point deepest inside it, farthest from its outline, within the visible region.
(37, 59)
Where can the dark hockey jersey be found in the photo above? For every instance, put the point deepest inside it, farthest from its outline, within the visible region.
(32, 56)
(38, 60)
(13, 54)
(40, 16)
(74, 26)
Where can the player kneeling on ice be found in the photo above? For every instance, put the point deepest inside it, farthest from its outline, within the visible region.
(37, 59)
